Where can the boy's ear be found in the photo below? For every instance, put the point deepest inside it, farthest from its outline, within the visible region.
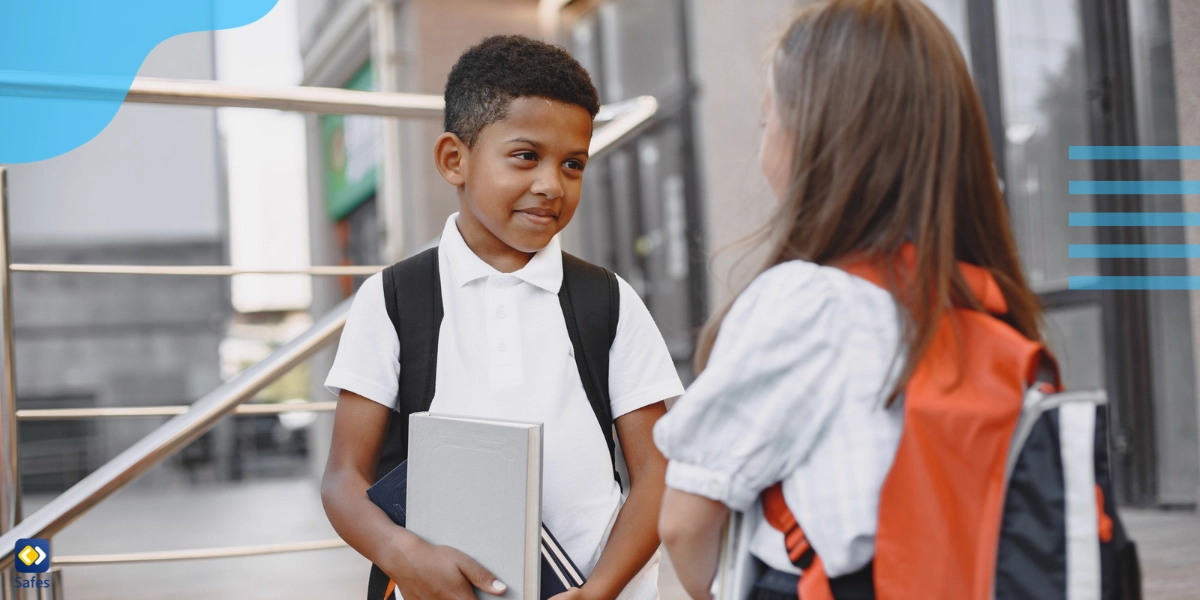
(450, 156)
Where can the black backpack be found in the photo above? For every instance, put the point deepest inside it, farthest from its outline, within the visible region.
(412, 291)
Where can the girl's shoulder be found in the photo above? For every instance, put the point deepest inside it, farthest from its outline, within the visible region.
(802, 280)
(801, 296)
(802, 309)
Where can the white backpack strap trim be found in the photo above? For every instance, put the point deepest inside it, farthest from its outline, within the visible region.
(1077, 431)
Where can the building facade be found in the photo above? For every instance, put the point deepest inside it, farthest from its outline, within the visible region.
(147, 190)
(669, 209)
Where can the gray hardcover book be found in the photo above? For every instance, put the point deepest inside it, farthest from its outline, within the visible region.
(476, 485)
(737, 569)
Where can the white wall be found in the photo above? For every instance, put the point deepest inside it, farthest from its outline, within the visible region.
(730, 42)
(268, 192)
(151, 175)
(1185, 30)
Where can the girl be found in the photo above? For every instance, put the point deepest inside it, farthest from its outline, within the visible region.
(876, 147)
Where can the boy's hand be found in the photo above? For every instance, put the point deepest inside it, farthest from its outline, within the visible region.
(572, 594)
(428, 572)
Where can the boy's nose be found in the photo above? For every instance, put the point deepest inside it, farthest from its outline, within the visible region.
(548, 186)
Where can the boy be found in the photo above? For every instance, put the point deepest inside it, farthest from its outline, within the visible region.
(518, 123)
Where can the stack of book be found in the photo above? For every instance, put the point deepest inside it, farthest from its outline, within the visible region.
(476, 485)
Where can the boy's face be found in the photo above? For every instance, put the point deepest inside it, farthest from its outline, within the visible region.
(520, 184)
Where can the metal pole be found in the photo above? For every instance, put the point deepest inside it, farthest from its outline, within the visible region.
(389, 195)
(59, 414)
(10, 473)
(55, 591)
(200, 553)
(189, 270)
(191, 92)
(176, 433)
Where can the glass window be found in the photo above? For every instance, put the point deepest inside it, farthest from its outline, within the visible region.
(662, 246)
(1073, 334)
(637, 200)
(1174, 367)
(1045, 103)
(642, 49)
(954, 14)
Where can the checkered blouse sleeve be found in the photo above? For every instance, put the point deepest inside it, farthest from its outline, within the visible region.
(783, 364)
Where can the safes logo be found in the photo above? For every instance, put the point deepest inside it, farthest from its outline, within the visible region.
(33, 555)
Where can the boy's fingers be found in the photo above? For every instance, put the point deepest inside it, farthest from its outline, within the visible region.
(481, 577)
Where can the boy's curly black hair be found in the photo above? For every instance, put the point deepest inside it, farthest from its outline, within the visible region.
(502, 68)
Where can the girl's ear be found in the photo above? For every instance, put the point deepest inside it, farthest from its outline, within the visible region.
(450, 155)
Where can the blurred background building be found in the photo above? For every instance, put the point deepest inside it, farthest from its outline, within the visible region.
(666, 211)
(1052, 74)
(150, 189)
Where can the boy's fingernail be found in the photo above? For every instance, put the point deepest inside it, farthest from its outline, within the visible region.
(499, 586)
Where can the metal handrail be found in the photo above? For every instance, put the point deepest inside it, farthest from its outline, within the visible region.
(320, 100)
(199, 92)
(191, 92)
(621, 120)
(173, 435)
(626, 120)
(196, 554)
(207, 270)
(63, 414)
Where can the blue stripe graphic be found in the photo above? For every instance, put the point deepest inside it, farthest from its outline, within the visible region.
(1152, 282)
(1135, 219)
(1134, 152)
(1135, 251)
(1134, 187)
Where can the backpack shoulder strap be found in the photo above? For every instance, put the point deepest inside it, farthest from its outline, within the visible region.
(591, 304)
(412, 294)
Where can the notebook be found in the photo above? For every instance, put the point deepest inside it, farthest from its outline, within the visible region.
(480, 476)
(737, 569)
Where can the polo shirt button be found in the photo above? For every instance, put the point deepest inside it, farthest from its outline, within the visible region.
(500, 314)
(502, 346)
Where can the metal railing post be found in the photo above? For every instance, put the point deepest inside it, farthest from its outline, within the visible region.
(390, 196)
(173, 435)
(55, 591)
(10, 466)
(10, 473)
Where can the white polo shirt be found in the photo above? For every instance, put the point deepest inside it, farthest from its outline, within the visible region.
(503, 352)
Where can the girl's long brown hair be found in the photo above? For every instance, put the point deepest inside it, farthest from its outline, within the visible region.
(890, 146)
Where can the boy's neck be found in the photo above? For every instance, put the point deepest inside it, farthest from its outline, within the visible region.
(492, 250)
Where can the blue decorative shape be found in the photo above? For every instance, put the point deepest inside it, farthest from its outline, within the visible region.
(1135, 219)
(1150, 282)
(1134, 251)
(1134, 152)
(1134, 187)
(66, 65)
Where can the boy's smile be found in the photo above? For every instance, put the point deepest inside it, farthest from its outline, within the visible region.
(520, 184)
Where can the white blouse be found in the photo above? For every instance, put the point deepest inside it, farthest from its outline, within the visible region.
(795, 391)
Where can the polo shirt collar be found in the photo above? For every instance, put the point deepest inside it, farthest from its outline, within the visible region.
(544, 270)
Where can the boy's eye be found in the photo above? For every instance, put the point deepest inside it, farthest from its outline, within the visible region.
(574, 164)
(527, 155)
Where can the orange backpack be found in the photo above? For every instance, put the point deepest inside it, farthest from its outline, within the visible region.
(977, 505)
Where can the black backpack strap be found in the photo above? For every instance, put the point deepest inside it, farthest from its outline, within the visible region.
(591, 305)
(414, 284)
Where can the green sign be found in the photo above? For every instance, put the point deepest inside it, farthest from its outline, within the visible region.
(350, 145)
